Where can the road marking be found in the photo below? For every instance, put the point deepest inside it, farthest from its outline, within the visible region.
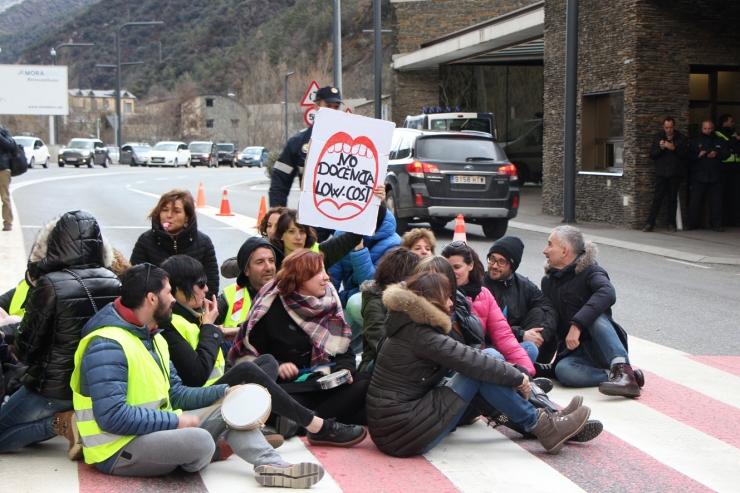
(15, 186)
(161, 179)
(228, 187)
(142, 181)
(267, 187)
(106, 227)
(686, 263)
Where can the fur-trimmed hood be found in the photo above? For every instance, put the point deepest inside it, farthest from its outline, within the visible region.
(371, 287)
(581, 263)
(397, 298)
(72, 240)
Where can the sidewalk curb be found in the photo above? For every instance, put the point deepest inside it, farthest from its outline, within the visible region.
(637, 247)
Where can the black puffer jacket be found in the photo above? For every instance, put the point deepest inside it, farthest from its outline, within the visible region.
(581, 293)
(6, 147)
(406, 408)
(155, 246)
(705, 169)
(59, 306)
(525, 307)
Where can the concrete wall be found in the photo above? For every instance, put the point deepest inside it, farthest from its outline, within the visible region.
(645, 47)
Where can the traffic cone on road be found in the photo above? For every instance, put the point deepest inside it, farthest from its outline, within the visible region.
(201, 201)
(225, 207)
(262, 212)
(460, 230)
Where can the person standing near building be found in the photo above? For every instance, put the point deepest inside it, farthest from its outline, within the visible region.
(730, 170)
(707, 151)
(670, 150)
(6, 147)
(292, 159)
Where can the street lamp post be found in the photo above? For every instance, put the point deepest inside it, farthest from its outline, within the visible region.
(286, 106)
(118, 72)
(337, 28)
(54, 61)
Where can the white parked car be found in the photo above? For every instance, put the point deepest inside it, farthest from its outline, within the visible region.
(35, 149)
(170, 154)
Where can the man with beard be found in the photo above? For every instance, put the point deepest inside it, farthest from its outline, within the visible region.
(592, 347)
(129, 399)
(531, 316)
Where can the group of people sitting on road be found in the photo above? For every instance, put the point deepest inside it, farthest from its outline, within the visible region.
(131, 363)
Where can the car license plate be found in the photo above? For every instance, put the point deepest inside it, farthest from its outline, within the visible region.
(468, 180)
(71, 159)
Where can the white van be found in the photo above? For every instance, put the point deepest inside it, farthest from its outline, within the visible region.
(451, 121)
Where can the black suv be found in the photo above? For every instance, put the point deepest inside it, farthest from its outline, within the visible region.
(434, 176)
(227, 154)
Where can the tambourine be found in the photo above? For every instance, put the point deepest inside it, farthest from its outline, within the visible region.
(334, 379)
(247, 407)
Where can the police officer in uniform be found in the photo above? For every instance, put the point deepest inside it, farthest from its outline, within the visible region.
(730, 170)
(290, 162)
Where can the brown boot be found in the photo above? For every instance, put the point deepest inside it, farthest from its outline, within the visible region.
(553, 431)
(574, 404)
(621, 382)
(65, 424)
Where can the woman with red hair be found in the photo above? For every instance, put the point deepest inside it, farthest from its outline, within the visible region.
(297, 318)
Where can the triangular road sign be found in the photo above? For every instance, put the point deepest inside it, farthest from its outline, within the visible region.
(308, 98)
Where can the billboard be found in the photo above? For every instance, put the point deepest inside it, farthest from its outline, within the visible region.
(33, 90)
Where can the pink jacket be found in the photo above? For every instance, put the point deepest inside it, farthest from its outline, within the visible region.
(499, 331)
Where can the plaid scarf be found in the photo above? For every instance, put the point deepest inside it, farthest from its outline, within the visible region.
(321, 319)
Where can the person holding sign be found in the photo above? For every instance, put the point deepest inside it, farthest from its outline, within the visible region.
(297, 318)
(292, 159)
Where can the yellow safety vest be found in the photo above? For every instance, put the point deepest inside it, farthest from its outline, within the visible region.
(230, 294)
(19, 297)
(148, 387)
(191, 333)
(315, 247)
(734, 158)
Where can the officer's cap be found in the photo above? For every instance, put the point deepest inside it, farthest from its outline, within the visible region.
(329, 94)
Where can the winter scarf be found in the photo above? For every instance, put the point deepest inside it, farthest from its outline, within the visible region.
(320, 318)
(471, 289)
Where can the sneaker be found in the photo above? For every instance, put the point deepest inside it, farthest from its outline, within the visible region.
(590, 430)
(336, 434)
(545, 370)
(286, 427)
(223, 451)
(545, 384)
(65, 424)
(274, 439)
(7, 227)
(301, 475)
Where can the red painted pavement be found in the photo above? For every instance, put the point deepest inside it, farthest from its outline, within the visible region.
(364, 468)
(692, 408)
(730, 364)
(608, 464)
(94, 481)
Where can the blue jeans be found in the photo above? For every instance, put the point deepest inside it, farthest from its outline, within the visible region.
(504, 399)
(26, 418)
(589, 364)
(528, 347)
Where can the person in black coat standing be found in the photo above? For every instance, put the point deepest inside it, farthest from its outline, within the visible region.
(670, 150)
(707, 152)
(68, 264)
(175, 231)
(592, 347)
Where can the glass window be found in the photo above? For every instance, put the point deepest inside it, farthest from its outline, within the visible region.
(209, 123)
(602, 131)
(209, 102)
(458, 149)
(728, 86)
(404, 149)
(699, 86)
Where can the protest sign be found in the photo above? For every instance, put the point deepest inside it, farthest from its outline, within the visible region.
(347, 159)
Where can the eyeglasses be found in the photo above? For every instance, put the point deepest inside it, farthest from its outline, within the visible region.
(148, 270)
(201, 283)
(455, 244)
(500, 262)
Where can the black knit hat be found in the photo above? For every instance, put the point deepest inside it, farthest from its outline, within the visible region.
(511, 248)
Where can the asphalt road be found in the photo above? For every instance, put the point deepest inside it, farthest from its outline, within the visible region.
(689, 307)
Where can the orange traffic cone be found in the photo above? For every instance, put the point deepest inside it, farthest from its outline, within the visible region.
(225, 207)
(262, 212)
(460, 229)
(201, 201)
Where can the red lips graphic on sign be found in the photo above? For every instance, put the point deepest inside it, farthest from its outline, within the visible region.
(345, 176)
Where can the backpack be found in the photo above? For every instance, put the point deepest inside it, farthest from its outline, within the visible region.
(18, 163)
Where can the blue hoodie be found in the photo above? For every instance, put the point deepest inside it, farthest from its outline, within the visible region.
(359, 266)
(104, 377)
